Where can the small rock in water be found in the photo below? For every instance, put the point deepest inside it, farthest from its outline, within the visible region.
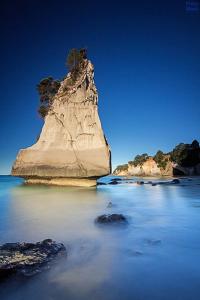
(113, 218)
(101, 183)
(109, 205)
(114, 182)
(27, 258)
(154, 184)
(140, 182)
(175, 181)
(153, 242)
(136, 253)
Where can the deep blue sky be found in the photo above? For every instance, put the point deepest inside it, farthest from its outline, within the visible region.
(147, 70)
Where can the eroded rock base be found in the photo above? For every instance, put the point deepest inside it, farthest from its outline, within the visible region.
(85, 182)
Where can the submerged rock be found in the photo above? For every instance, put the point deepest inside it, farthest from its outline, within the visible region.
(113, 218)
(27, 258)
(72, 148)
(115, 181)
(140, 182)
(175, 181)
(153, 242)
(109, 205)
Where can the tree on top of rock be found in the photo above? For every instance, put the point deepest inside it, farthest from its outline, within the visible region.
(47, 89)
(75, 61)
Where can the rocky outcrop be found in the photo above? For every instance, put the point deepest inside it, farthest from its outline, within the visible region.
(120, 172)
(148, 168)
(27, 259)
(72, 148)
(184, 159)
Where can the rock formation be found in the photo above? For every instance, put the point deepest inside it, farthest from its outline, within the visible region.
(184, 159)
(111, 219)
(27, 258)
(148, 168)
(72, 148)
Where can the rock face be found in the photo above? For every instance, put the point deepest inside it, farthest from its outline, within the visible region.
(27, 258)
(148, 168)
(184, 159)
(72, 148)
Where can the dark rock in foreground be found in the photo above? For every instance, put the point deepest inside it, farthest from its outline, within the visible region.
(27, 258)
(111, 219)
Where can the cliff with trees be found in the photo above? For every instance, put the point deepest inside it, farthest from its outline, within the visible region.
(184, 159)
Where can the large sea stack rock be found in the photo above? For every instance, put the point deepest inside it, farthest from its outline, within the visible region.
(72, 148)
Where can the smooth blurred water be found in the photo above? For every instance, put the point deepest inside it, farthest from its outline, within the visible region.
(157, 256)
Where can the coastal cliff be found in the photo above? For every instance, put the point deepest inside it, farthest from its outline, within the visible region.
(147, 168)
(72, 148)
(184, 159)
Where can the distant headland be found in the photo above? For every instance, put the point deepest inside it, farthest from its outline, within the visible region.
(184, 159)
(72, 148)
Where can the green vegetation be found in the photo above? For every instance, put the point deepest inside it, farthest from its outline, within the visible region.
(43, 111)
(179, 153)
(47, 89)
(122, 167)
(139, 160)
(75, 62)
(186, 155)
(161, 159)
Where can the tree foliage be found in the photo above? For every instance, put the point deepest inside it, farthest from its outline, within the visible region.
(75, 61)
(47, 89)
(161, 159)
(179, 153)
(43, 110)
(122, 167)
(139, 159)
(186, 155)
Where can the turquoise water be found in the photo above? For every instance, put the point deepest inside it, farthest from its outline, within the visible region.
(157, 256)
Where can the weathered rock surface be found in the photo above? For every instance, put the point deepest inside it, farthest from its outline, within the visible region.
(72, 144)
(27, 258)
(111, 219)
(148, 168)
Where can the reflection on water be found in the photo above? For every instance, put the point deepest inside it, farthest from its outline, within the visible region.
(155, 257)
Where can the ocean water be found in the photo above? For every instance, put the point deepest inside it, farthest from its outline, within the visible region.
(156, 256)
